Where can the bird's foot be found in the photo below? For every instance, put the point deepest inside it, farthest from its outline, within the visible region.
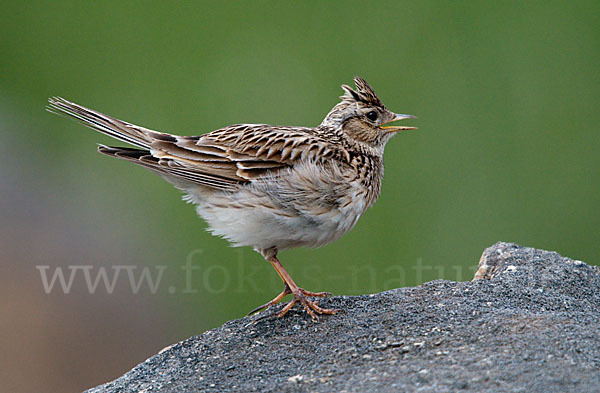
(301, 296)
(286, 291)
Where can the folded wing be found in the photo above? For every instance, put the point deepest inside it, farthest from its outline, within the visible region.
(222, 159)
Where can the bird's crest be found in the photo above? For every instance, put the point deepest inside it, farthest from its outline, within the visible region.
(363, 93)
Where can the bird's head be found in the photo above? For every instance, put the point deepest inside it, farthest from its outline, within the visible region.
(362, 116)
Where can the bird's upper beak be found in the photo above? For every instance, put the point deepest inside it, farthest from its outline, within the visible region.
(398, 128)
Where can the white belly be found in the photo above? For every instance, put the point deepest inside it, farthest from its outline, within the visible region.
(303, 208)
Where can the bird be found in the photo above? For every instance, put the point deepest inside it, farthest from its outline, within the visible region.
(269, 187)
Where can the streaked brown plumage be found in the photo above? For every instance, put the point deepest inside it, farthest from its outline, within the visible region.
(269, 187)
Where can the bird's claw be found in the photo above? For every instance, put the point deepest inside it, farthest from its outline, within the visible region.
(301, 296)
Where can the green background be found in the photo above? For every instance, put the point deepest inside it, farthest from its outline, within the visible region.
(506, 95)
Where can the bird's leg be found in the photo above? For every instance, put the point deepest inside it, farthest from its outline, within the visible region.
(277, 299)
(300, 295)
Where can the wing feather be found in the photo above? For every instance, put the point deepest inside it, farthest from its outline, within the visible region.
(222, 159)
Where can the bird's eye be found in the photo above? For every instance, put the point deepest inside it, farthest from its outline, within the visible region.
(372, 115)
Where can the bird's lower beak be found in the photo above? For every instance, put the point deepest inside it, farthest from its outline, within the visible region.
(384, 126)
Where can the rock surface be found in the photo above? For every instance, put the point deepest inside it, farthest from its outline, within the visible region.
(528, 322)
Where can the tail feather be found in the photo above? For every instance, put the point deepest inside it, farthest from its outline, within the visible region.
(118, 129)
(158, 151)
(166, 168)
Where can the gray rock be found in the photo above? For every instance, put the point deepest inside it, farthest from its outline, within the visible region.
(528, 322)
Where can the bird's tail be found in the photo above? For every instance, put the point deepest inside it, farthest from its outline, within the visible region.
(118, 129)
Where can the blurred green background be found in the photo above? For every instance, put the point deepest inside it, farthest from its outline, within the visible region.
(506, 95)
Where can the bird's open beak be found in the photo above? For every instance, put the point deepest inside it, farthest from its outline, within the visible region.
(398, 128)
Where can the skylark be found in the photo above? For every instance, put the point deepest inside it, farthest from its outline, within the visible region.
(269, 187)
